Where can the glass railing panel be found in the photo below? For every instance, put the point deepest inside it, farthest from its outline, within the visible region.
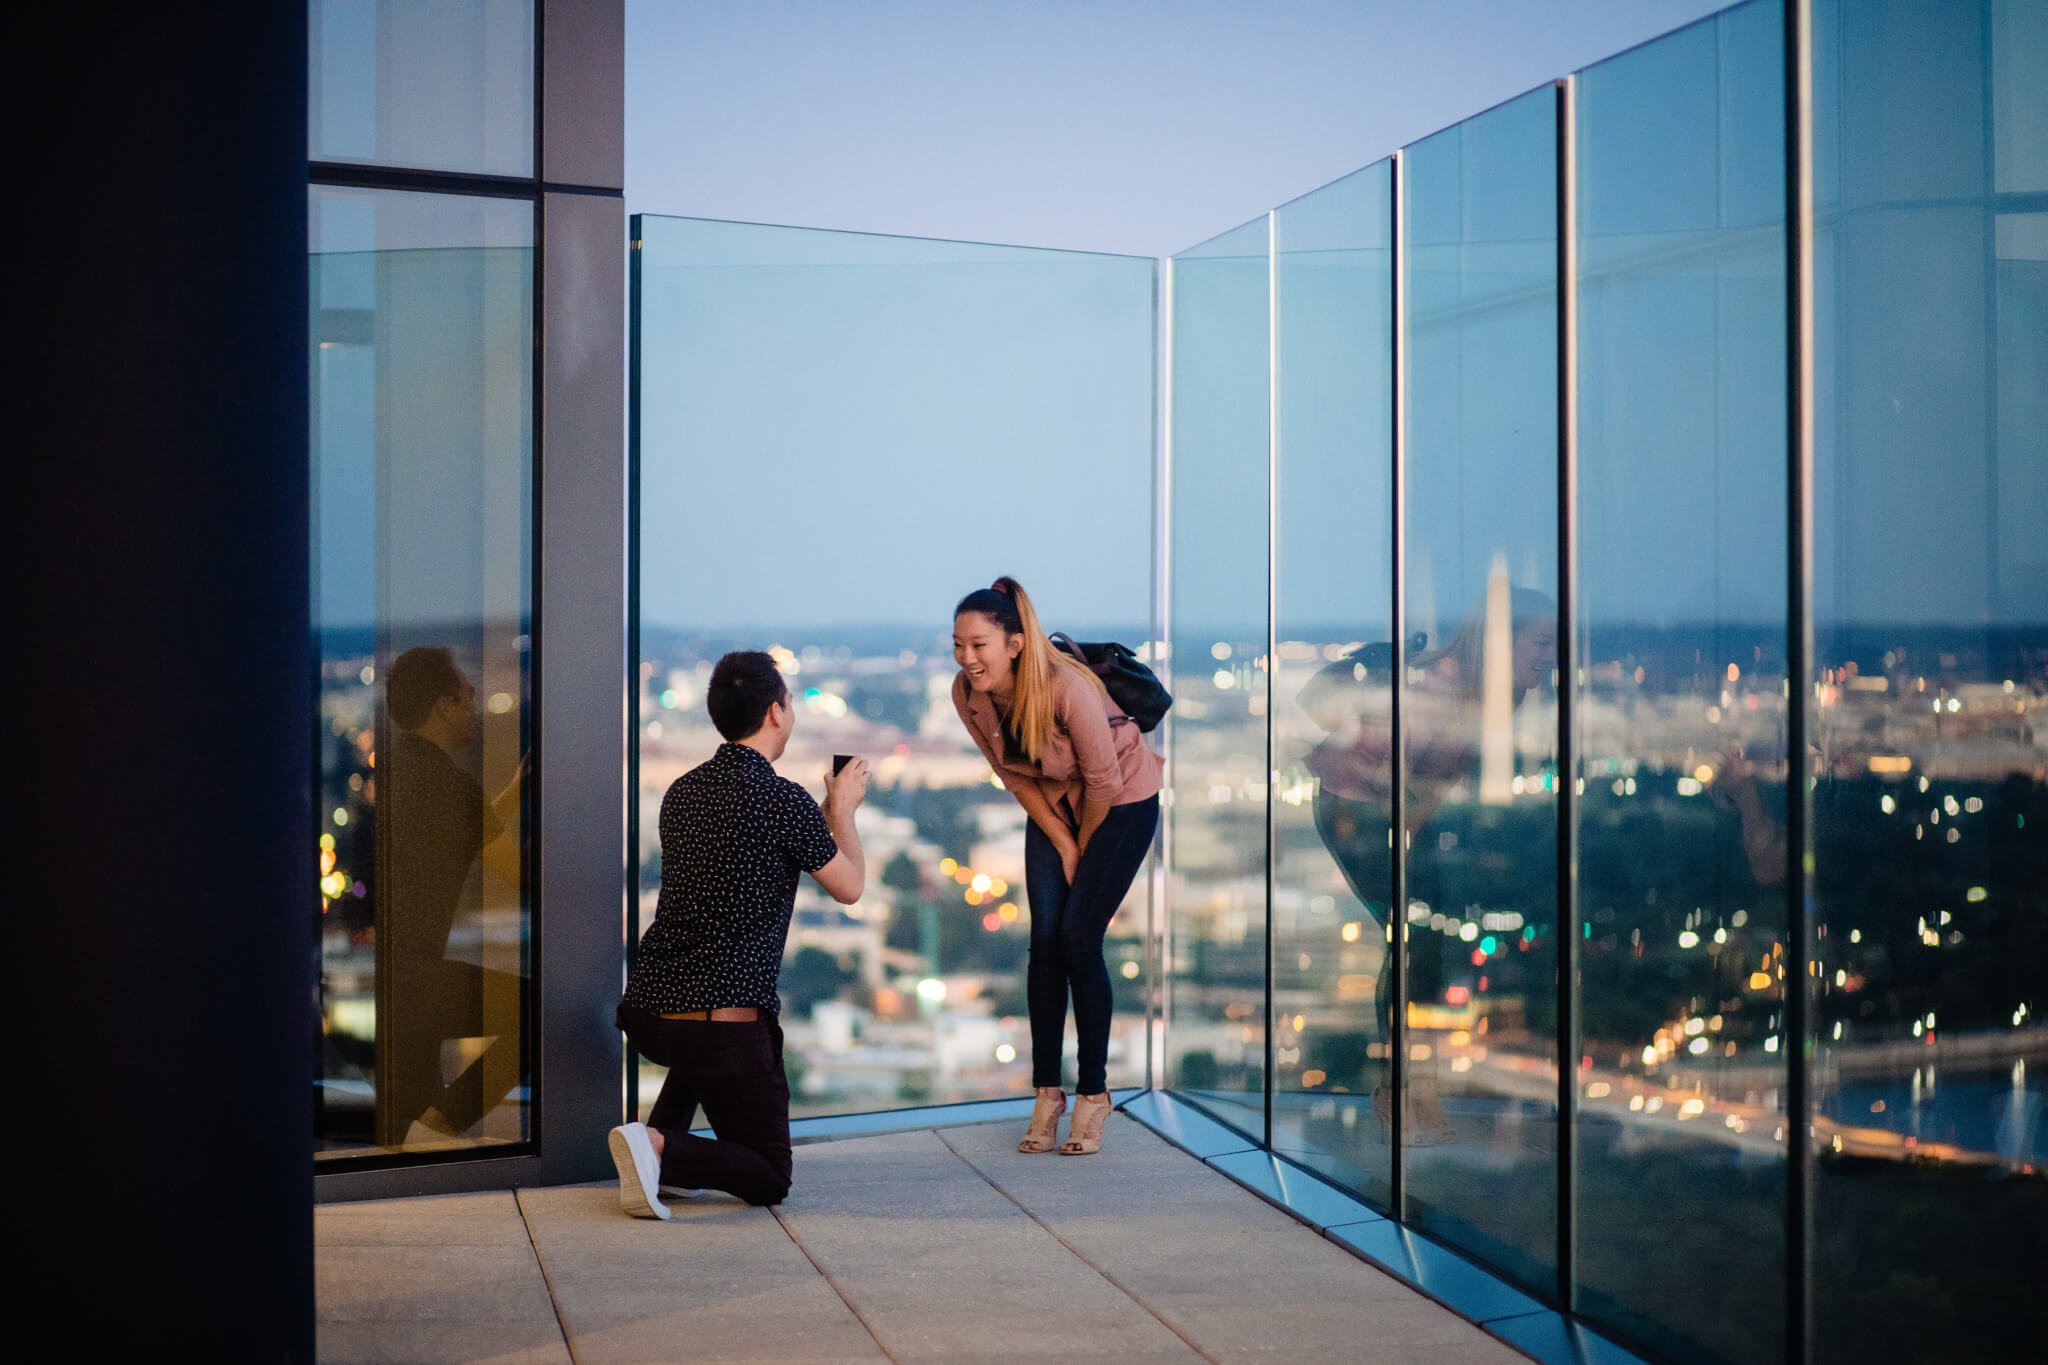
(1332, 678)
(1931, 656)
(441, 87)
(839, 436)
(422, 376)
(1680, 716)
(1478, 703)
(1216, 878)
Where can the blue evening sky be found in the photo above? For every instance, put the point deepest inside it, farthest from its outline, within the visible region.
(1138, 126)
(908, 398)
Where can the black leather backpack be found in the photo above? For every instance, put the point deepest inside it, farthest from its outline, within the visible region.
(1135, 688)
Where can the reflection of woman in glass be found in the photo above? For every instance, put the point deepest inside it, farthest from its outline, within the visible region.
(1080, 769)
(1457, 716)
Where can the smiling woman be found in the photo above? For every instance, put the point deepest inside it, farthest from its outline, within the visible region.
(1081, 771)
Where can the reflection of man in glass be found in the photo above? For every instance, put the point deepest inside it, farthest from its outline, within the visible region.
(1457, 717)
(435, 823)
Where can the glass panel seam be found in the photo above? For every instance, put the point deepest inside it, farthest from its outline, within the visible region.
(1397, 911)
(1568, 907)
(1272, 606)
(1798, 115)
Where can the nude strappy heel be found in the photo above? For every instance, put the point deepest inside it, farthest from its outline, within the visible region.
(1084, 1133)
(1044, 1133)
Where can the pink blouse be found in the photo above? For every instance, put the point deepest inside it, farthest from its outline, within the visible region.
(1085, 753)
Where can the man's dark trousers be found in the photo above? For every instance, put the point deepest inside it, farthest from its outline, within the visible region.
(733, 1068)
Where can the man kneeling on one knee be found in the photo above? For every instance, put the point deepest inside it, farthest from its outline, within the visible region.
(701, 998)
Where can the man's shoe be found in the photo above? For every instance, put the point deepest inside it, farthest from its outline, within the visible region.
(639, 1172)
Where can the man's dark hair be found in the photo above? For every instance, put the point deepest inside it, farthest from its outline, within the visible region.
(419, 678)
(743, 686)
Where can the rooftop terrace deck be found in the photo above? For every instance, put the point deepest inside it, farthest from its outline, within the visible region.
(942, 1244)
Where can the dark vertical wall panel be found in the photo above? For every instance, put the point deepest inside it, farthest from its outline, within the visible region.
(582, 685)
(583, 82)
(161, 943)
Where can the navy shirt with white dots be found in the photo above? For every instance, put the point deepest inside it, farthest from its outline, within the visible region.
(734, 839)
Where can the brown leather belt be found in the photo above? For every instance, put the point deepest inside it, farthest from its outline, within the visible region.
(729, 1013)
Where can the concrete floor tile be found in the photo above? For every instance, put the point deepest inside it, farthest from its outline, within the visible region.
(490, 1203)
(429, 1283)
(441, 1343)
(707, 1338)
(435, 1220)
(1315, 1328)
(411, 1229)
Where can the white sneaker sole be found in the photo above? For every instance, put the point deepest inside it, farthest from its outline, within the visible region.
(633, 1196)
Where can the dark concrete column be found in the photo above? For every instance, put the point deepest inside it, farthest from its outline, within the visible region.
(583, 693)
(160, 751)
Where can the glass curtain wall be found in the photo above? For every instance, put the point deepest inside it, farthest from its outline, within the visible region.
(838, 436)
(1333, 429)
(1922, 764)
(1930, 630)
(1681, 703)
(1218, 621)
(422, 361)
(441, 87)
(1479, 588)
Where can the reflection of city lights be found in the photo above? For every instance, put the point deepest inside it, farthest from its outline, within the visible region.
(1008, 913)
(947, 866)
(1771, 1043)
(1349, 933)
(991, 922)
(500, 703)
(998, 887)
(1219, 651)
(1696, 1046)
(981, 881)
(1224, 680)
(1313, 1078)
(1759, 981)
(1005, 1053)
(1130, 971)
(932, 989)
(973, 897)
(340, 816)
(1688, 939)
(1597, 1090)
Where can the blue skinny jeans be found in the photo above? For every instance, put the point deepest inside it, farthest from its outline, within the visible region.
(1067, 925)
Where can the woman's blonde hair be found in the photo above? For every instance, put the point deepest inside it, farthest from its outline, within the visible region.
(1031, 715)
